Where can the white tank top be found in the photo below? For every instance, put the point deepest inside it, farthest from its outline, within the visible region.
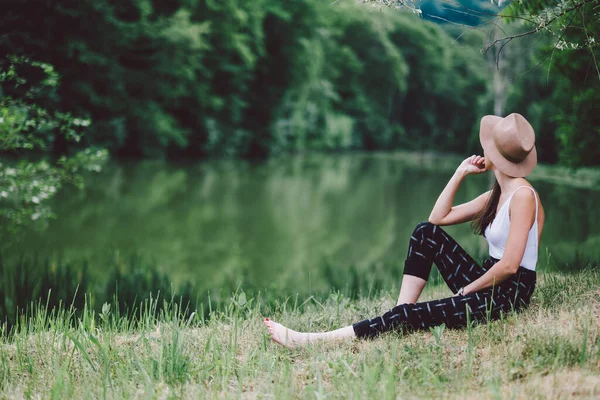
(496, 234)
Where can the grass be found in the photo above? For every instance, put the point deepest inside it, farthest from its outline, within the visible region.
(550, 350)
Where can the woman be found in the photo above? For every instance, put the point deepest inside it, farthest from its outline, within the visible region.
(510, 217)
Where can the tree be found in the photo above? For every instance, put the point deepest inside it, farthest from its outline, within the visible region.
(131, 66)
(28, 128)
(564, 104)
(570, 55)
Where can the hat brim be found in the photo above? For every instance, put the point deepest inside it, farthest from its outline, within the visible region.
(516, 170)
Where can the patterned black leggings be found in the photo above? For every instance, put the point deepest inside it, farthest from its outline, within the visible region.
(431, 244)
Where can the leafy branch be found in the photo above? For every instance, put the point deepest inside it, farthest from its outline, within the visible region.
(564, 19)
(551, 20)
(27, 185)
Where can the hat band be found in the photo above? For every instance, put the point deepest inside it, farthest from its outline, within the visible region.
(515, 159)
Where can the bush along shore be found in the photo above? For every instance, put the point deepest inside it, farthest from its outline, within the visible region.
(550, 350)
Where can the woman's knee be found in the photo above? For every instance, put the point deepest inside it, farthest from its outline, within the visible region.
(425, 226)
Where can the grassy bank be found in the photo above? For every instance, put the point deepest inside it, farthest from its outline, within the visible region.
(550, 350)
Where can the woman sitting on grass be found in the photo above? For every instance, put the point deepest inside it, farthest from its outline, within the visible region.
(512, 229)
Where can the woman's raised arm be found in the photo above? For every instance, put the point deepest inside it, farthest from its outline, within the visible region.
(443, 213)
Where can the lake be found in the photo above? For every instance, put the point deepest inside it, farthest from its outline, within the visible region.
(300, 224)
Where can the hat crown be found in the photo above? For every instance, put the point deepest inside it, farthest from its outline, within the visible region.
(509, 143)
(514, 137)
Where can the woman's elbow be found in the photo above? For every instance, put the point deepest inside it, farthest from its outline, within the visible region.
(433, 220)
(511, 267)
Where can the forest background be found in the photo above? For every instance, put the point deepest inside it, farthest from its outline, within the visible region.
(192, 79)
(255, 79)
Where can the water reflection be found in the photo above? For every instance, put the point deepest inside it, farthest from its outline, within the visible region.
(285, 224)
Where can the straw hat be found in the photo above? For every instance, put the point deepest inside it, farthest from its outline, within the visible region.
(509, 143)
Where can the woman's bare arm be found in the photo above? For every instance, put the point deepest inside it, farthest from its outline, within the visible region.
(443, 212)
(522, 210)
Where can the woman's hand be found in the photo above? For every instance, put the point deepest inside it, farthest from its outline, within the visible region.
(472, 165)
(465, 291)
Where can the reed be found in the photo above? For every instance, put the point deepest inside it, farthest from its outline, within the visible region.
(163, 348)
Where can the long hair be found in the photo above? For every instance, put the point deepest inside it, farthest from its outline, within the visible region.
(487, 214)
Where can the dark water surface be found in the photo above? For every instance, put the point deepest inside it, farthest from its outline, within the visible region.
(299, 224)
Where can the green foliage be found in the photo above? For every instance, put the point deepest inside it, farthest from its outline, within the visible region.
(27, 185)
(209, 78)
(557, 89)
(565, 97)
(125, 284)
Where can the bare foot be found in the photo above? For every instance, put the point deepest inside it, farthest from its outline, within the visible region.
(284, 336)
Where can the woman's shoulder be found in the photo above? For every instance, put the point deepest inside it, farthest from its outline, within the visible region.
(527, 199)
(525, 195)
(522, 182)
